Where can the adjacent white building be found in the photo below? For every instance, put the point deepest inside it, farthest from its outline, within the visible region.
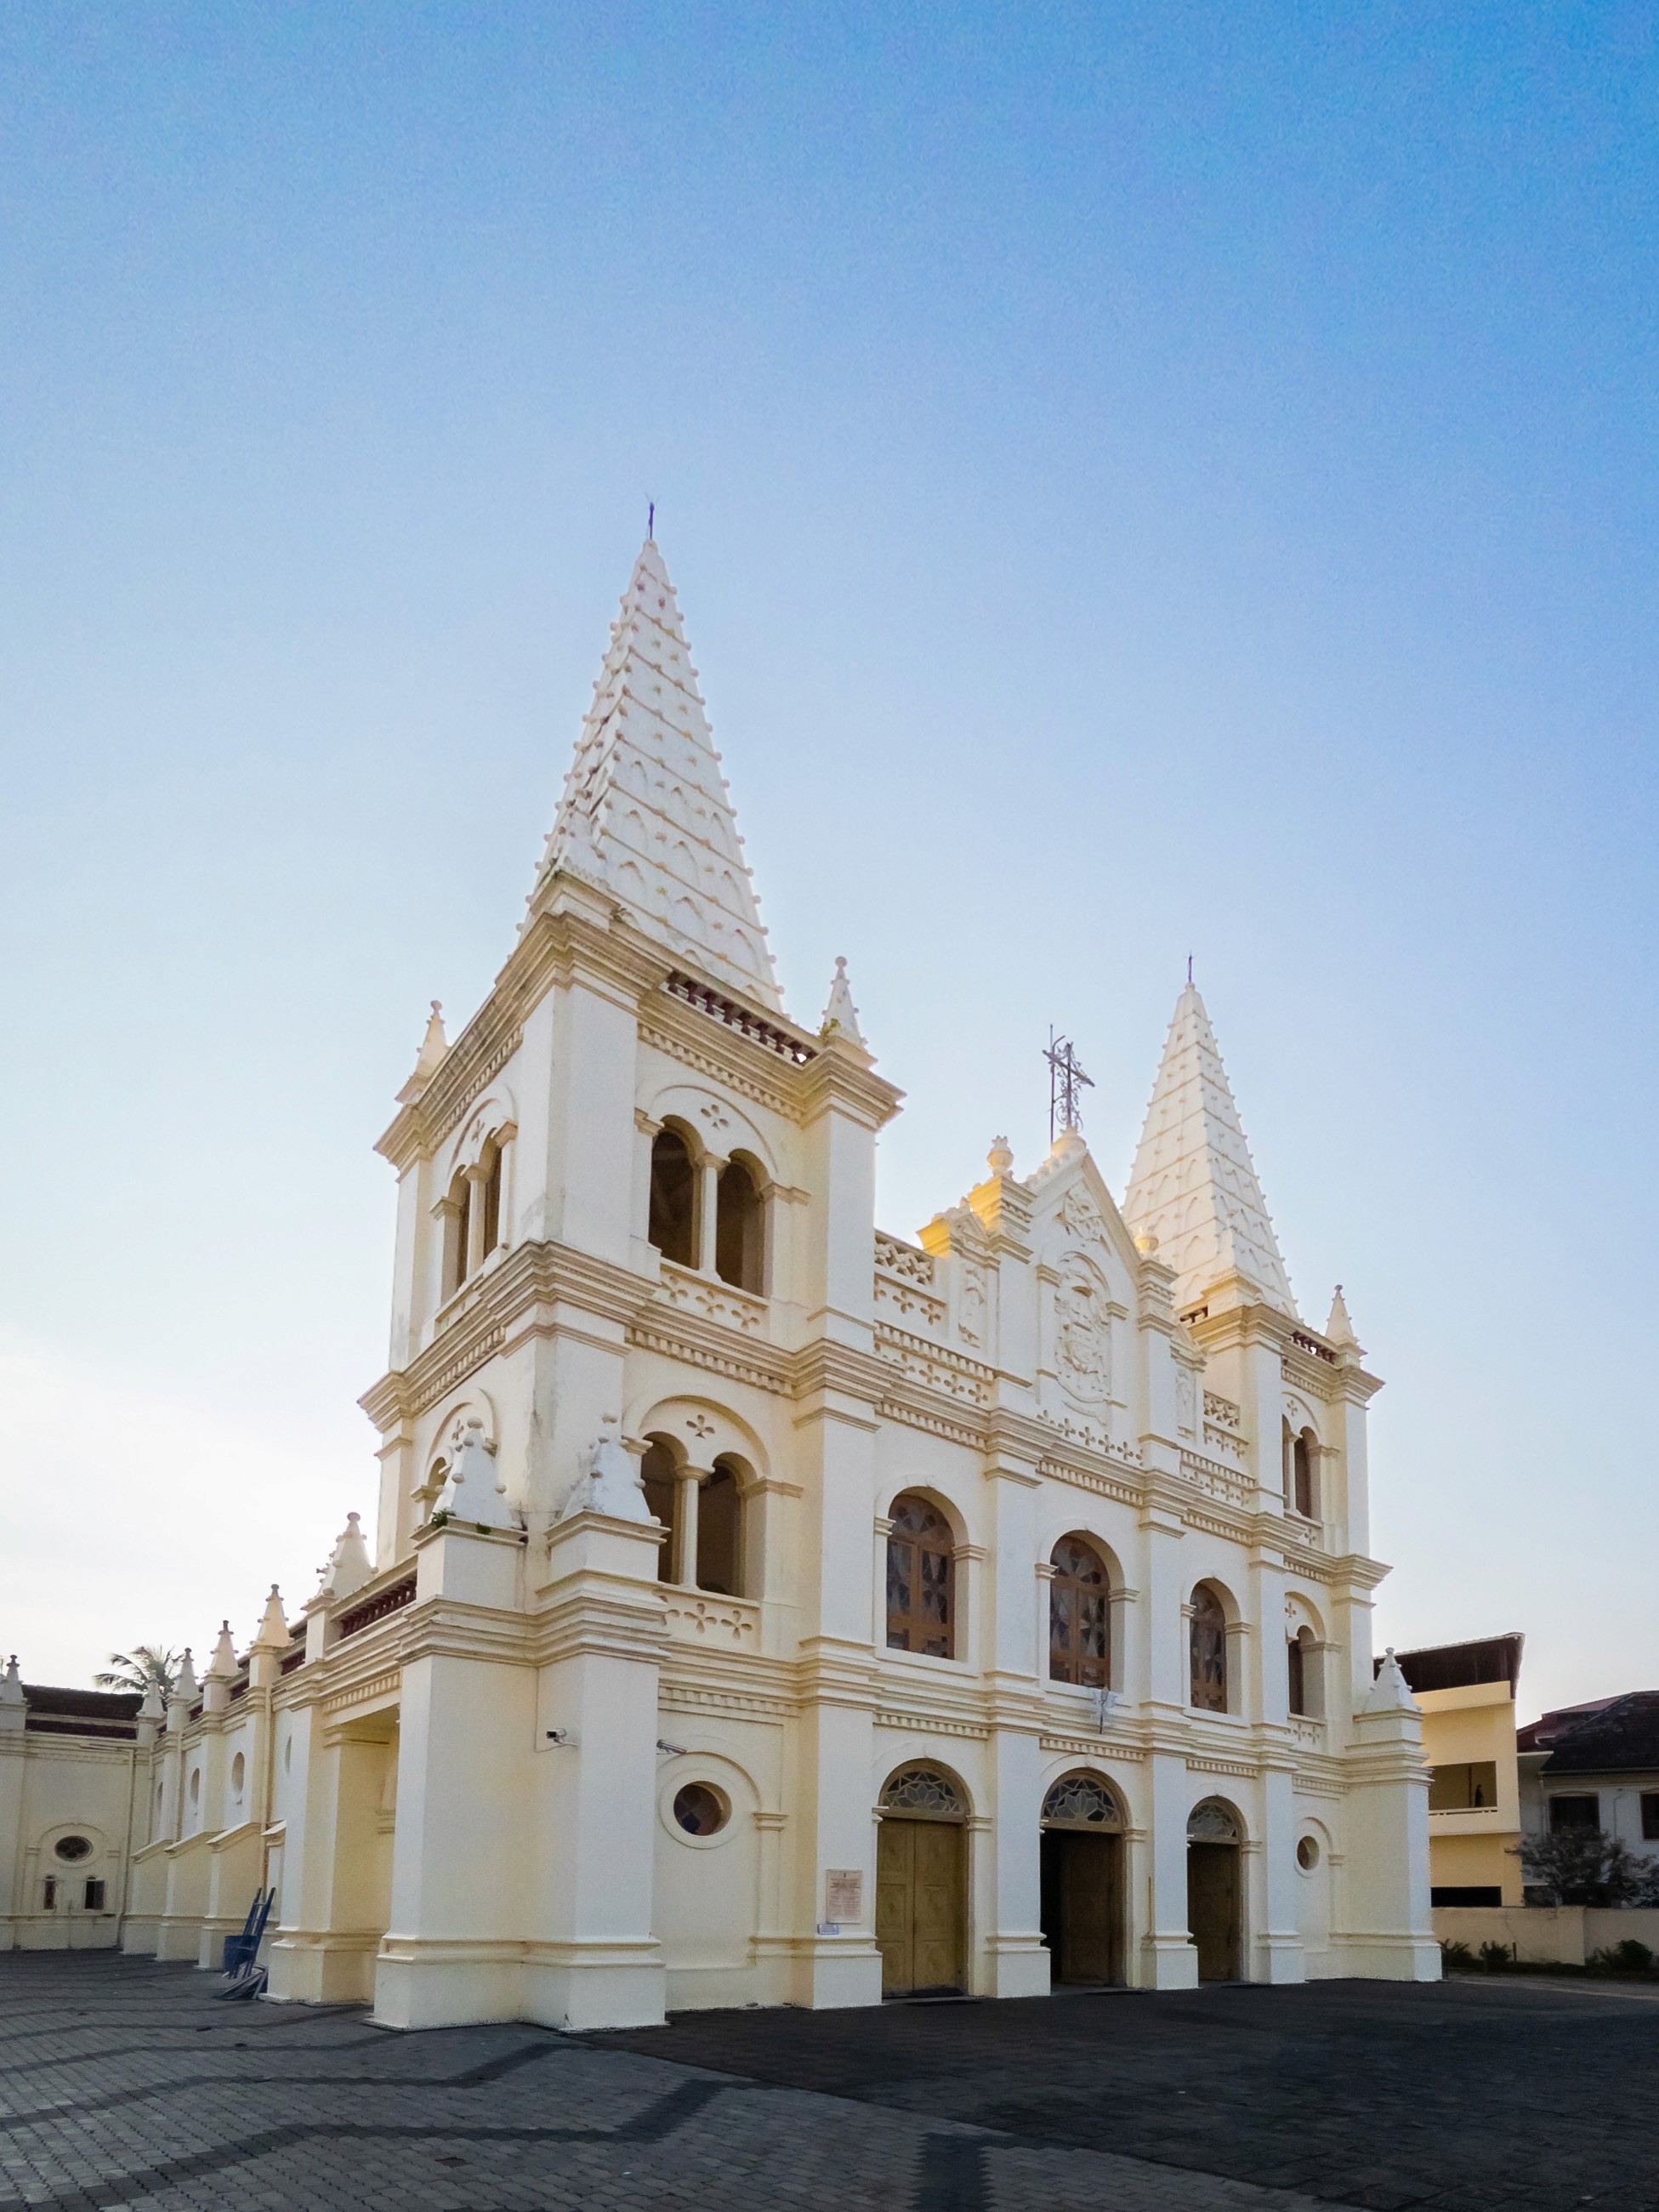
(768, 1609)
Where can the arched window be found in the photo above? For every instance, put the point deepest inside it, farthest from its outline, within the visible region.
(1301, 1657)
(1209, 1651)
(673, 1199)
(921, 1580)
(922, 1792)
(1303, 1459)
(660, 1476)
(1080, 1616)
(1082, 1801)
(492, 1198)
(1213, 1822)
(741, 1229)
(457, 1234)
(719, 1533)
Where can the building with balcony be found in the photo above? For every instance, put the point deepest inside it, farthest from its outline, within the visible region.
(1466, 1694)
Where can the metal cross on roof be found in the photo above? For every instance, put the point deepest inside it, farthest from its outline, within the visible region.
(1066, 1079)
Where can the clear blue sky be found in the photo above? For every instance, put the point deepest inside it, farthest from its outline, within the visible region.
(1140, 479)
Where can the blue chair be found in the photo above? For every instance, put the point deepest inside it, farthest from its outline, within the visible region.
(241, 1951)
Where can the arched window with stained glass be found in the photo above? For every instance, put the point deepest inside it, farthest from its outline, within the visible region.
(921, 1579)
(1209, 1651)
(1080, 1616)
(1082, 1801)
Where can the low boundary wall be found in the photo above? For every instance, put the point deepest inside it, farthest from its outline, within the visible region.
(1546, 1935)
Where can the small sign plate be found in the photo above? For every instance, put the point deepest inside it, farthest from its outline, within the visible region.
(843, 1897)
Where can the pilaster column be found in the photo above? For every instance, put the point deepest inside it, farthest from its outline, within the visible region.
(475, 1220)
(709, 1181)
(590, 1959)
(689, 1482)
(1040, 1626)
(1278, 1944)
(1168, 1960)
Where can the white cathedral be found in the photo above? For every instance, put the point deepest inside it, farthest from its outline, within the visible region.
(765, 1609)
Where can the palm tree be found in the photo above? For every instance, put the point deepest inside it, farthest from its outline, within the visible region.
(146, 1666)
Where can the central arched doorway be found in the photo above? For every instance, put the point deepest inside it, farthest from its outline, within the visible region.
(921, 1884)
(1215, 1916)
(1083, 1881)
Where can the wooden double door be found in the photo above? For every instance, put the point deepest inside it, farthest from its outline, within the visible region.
(1083, 1906)
(922, 1906)
(1215, 1913)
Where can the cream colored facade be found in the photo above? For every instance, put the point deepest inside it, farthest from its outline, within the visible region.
(472, 1774)
(1466, 1693)
(1473, 1846)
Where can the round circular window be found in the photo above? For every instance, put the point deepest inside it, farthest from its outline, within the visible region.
(73, 1847)
(700, 1810)
(1307, 1854)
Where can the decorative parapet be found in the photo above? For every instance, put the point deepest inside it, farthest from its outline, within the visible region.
(1225, 1484)
(919, 1307)
(1315, 1346)
(1305, 1530)
(378, 1606)
(742, 1018)
(715, 1301)
(1223, 1425)
(905, 1260)
(933, 1366)
(729, 1624)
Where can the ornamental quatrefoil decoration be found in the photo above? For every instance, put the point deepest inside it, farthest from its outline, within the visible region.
(716, 1118)
(700, 1425)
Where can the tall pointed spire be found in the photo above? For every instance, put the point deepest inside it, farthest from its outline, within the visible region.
(1195, 1185)
(646, 811)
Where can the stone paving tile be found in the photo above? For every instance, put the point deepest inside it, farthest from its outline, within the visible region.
(125, 2088)
(1469, 2096)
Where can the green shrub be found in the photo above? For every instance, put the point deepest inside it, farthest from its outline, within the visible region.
(1456, 1959)
(1629, 1957)
(1494, 1957)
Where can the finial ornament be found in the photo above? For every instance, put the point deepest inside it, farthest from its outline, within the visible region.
(840, 1015)
(434, 1045)
(1000, 1159)
(1339, 1328)
(608, 1479)
(1189, 970)
(474, 1492)
(1066, 1079)
(651, 519)
(348, 1563)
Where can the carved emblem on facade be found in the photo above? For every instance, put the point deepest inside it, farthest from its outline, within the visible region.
(1185, 1402)
(1078, 1214)
(970, 1315)
(1083, 1337)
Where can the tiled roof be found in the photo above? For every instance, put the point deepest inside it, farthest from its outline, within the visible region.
(1621, 1736)
(80, 1713)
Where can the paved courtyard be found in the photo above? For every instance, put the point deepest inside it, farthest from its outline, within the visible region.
(123, 2083)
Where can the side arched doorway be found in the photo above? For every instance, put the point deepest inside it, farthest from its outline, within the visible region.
(921, 1885)
(1215, 1914)
(1083, 1881)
